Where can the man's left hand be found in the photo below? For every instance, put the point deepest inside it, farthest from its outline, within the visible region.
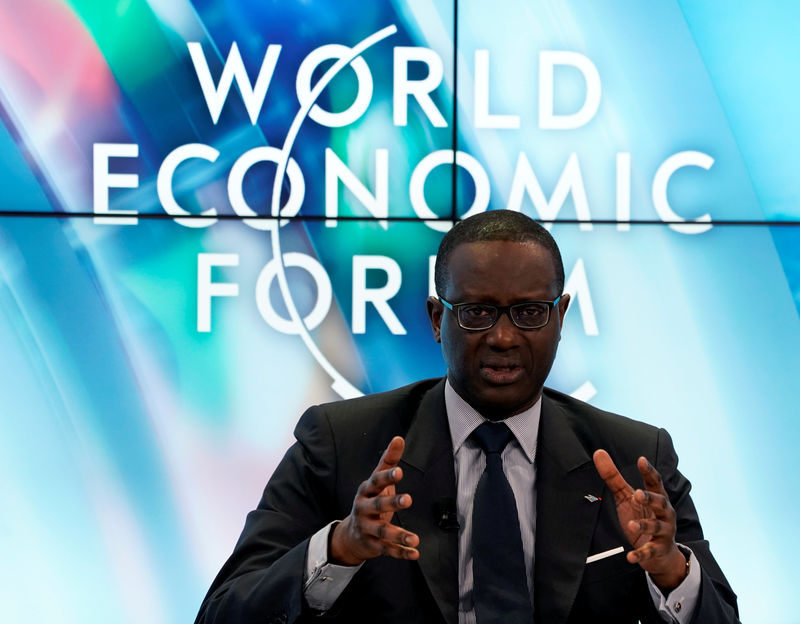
(648, 521)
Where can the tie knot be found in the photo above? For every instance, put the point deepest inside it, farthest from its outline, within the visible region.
(492, 437)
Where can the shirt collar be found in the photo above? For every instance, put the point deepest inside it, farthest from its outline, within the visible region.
(463, 419)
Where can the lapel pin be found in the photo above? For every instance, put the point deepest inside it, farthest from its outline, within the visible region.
(592, 498)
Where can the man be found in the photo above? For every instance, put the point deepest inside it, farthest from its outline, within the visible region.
(422, 538)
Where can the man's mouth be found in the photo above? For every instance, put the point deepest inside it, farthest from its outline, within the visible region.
(501, 374)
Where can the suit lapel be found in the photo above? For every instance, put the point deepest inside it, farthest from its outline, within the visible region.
(429, 476)
(565, 520)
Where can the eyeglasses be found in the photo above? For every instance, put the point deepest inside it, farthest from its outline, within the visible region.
(483, 316)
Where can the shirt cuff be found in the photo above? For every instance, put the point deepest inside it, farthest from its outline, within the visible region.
(678, 607)
(325, 581)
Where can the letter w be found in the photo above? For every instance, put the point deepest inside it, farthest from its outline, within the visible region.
(215, 96)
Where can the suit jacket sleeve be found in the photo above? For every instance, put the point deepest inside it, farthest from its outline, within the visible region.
(338, 445)
(717, 602)
(262, 581)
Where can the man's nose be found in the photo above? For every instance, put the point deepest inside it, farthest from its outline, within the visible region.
(504, 334)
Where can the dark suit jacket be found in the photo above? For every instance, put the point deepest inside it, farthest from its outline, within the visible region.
(339, 444)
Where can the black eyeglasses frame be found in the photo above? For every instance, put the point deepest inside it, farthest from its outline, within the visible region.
(454, 307)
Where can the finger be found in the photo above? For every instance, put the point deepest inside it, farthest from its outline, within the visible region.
(610, 474)
(379, 481)
(657, 503)
(400, 552)
(647, 551)
(376, 505)
(652, 527)
(389, 534)
(651, 476)
(391, 456)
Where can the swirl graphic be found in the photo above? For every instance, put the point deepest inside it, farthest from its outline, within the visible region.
(340, 385)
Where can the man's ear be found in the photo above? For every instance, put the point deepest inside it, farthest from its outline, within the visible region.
(435, 309)
(562, 306)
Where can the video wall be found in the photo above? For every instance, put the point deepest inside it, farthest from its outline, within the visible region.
(215, 214)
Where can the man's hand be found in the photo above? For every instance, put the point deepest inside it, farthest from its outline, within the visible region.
(368, 531)
(648, 521)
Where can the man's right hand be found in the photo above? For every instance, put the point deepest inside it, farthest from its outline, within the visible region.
(368, 531)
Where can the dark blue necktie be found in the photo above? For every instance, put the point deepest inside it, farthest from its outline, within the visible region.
(501, 592)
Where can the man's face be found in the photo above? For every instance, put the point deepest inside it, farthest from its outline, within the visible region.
(499, 371)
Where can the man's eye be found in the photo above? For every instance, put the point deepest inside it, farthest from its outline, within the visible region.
(530, 311)
(477, 311)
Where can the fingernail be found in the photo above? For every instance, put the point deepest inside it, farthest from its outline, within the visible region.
(401, 500)
(393, 473)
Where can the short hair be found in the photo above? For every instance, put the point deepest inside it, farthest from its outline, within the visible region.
(495, 225)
